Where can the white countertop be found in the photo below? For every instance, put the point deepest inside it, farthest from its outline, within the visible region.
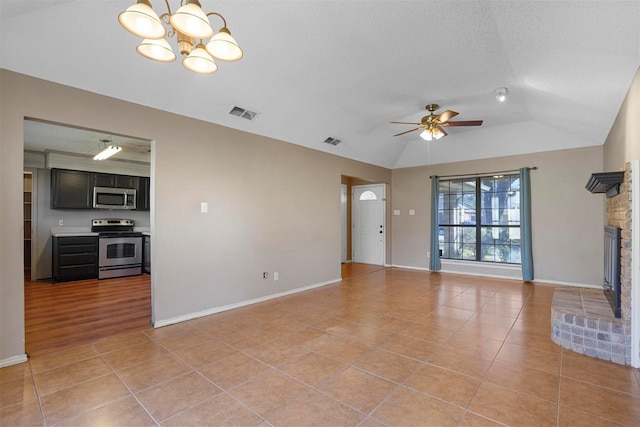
(72, 231)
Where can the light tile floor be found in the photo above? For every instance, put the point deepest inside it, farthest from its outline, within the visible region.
(387, 347)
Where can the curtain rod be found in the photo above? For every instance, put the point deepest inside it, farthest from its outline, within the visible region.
(480, 174)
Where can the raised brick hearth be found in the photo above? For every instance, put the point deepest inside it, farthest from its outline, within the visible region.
(582, 321)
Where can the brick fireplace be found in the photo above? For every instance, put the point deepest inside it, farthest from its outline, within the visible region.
(582, 319)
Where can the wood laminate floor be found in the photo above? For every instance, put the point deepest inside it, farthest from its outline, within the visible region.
(68, 314)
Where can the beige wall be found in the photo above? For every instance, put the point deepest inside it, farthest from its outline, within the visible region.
(273, 206)
(567, 219)
(623, 142)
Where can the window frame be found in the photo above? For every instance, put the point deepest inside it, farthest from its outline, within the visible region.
(469, 244)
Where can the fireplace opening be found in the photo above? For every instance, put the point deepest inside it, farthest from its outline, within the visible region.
(611, 285)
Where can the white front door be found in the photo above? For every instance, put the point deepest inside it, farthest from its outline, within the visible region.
(368, 224)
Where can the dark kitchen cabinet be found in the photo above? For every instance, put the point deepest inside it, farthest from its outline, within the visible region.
(75, 258)
(126, 181)
(146, 254)
(143, 193)
(71, 189)
(115, 181)
(104, 180)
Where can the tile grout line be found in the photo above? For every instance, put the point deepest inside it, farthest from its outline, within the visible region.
(131, 393)
(559, 387)
(38, 397)
(484, 377)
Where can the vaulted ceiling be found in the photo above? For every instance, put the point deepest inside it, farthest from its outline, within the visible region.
(345, 69)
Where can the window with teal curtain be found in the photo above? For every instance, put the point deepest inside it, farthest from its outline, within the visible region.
(483, 218)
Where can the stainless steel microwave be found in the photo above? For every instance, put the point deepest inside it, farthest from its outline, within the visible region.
(114, 198)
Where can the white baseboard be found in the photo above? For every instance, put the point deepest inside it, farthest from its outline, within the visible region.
(410, 267)
(502, 276)
(559, 283)
(214, 310)
(14, 360)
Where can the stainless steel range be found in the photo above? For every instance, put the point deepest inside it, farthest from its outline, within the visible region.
(119, 249)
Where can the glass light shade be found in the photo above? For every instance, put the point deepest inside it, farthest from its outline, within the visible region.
(192, 21)
(437, 133)
(158, 50)
(199, 61)
(107, 152)
(142, 21)
(224, 47)
(426, 135)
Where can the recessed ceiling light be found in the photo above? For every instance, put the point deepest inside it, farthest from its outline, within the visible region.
(501, 94)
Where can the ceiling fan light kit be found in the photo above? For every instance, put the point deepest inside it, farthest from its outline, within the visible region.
(431, 134)
(188, 24)
(432, 124)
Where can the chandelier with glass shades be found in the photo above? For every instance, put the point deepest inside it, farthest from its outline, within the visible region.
(190, 24)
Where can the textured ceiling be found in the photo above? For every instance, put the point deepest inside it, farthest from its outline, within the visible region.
(345, 69)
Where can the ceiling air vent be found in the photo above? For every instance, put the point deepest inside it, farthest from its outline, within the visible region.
(241, 112)
(332, 141)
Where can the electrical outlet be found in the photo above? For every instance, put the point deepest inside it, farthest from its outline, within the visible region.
(265, 275)
(275, 276)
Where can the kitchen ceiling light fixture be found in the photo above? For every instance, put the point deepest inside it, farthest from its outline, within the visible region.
(501, 94)
(189, 24)
(107, 152)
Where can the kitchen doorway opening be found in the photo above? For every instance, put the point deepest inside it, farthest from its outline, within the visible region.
(97, 308)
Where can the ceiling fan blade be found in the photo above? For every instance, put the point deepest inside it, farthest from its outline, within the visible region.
(402, 133)
(464, 123)
(444, 117)
(405, 123)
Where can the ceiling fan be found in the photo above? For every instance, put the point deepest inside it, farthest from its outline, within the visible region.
(432, 124)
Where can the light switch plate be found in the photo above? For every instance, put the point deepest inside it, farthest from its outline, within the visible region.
(396, 211)
(204, 207)
(412, 212)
